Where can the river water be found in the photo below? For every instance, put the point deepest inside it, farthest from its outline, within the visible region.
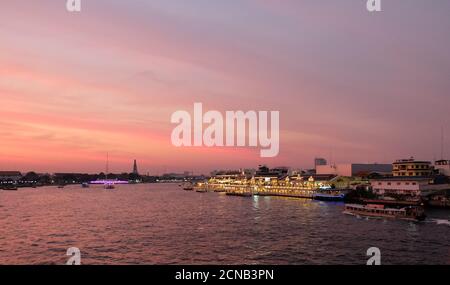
(162, 224)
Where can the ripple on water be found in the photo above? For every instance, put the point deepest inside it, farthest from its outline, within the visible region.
(161, 224)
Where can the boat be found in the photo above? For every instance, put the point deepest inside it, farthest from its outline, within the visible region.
(109, 186)
(188, 187)
(239, 193)
(394, 202)
(10, 188)
(328, 194)
(60, 186)
(85, 185)
(410, 213)
(201, 190)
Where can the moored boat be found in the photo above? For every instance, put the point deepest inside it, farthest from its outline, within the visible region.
(394, 202)
(410, 213)
(109, 186)
(201, 190)
(188, 187)
(239, 193)
(329, 195)
(85, 185)
(10, 188)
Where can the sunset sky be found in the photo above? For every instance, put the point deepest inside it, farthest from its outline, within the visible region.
(351, 86)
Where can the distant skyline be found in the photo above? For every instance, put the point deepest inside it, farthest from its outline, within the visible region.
(351, 86)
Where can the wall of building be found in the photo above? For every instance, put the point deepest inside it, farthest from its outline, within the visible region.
(383, 168)
(326, 169)
(347, 169)
(443, 169)
(416, 187)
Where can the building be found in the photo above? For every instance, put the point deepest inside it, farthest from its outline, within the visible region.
(135, 168)
(228, 177)
(10, 175)
(406, 186)
(352, 169)
(442, 167)
(320, 161)
(412, 168)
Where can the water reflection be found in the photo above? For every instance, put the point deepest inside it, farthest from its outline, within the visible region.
(161, 224)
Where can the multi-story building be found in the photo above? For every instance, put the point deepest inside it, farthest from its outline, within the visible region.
(406, 186)
(412, 168)
(320, 161)
(443, 167)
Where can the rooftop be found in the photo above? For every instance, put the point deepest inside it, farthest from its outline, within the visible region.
(403, 178)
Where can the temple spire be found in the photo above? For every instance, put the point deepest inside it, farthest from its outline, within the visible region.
(135, 168)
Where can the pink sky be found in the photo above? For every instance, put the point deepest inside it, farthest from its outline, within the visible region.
(350, 86)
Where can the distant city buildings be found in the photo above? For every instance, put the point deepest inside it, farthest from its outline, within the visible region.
(402, 178)
(10, 175)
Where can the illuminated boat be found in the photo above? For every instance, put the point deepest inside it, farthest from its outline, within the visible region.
(109, 186)
(201, 190)
(410, 213)
(329, 194)
(241, 193)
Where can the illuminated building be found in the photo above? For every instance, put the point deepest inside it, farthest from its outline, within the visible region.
(412, 168)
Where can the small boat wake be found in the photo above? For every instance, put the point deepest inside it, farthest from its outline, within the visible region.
(441, 222)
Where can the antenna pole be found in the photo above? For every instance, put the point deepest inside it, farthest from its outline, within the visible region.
(107, 165)
(442, 142)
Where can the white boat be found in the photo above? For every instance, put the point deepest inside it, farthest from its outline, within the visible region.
(410, 213)
(109, 185)
(188, 186)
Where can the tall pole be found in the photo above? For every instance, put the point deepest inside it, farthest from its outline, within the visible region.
(442, 142)
(107, 165)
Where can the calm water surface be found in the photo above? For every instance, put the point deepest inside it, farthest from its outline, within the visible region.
(161, 224)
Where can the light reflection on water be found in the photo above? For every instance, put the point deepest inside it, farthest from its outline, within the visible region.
(162, 224)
